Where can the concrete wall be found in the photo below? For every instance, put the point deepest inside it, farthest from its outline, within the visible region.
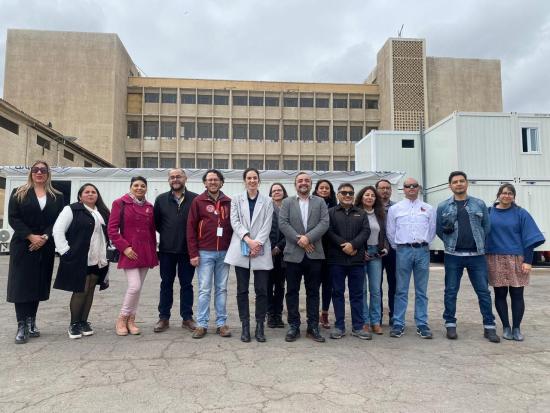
(466, 85)
(384, 81)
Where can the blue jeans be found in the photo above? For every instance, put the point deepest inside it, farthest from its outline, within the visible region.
(416, 261)
(373, 270)
(477, 271)
(185, 271)
(212, 270)
(356, 279)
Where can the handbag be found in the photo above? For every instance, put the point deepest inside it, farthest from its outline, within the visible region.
(113, 255)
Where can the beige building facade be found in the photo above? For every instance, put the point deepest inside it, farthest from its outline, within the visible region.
(87, 86)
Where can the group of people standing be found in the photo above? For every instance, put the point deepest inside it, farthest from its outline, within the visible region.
(323, 237)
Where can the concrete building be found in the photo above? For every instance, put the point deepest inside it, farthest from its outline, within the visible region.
(87, 86)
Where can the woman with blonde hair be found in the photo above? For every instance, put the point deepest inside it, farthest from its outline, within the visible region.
(32, 211)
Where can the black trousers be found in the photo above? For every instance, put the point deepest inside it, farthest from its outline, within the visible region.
(326, 285)
(311, 270)
(260, 287)
(276, 287)
(388, 264)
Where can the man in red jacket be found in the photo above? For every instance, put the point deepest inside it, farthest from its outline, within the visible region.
(208, 237)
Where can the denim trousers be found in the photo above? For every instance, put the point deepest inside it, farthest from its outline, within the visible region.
(371, 291)
(477, 272)
(356, 279)
(260, 288)
(212, 271)
(415, 261)
(310, 269)
(170, 265)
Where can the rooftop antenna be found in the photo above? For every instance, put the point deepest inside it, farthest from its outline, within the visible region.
(400, 30)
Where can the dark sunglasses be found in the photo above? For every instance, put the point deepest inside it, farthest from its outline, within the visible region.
(411, 186)
(41, 169)
(347, 193)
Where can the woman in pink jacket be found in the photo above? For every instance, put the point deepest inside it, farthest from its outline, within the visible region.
(132, 231)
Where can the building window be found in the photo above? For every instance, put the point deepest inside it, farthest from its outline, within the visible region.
(167, 162)
(240, 100)
(168, 130)
(372, 104)
(407, 143)
(9, 125)
(239, 131)
(306, 102)
(43, 142)
(340, 134)
(169, 98)
(355, 133)
(68, 155)
(272, 164)
(272, 133)
(204, 130)
(87, 164)
(356, 103)
(322, 133)
(306, 133)
(340, 165)
(530, 140)
(150, 130)
(340, 103)
(134, 129)
(306, 164)
(352, 165)
(204, 99)
(188, 99)
(221, 100)
(371, 128)
(151, 97)
(239, 163)
(150, 162)
(132, 162)
(187, 130)
(256, 131)
(322, 102)
(221, 131)
(290, 164)
(290, 133)
(271, 101)
(290, 102)
(256, 100)
(256, 163)
(221, 163)
(187, 163)
(321, 165)
(204, 163)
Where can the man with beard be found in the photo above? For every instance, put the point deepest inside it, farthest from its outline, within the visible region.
(303, 219)
(171, 211)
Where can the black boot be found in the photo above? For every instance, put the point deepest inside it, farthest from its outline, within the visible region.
(271, 321)
(279, 321)
(31, 326)
(245, 335)
(260, 337)
(314, 334)
(22, 333)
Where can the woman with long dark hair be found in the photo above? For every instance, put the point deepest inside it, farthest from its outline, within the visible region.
(510, 244)
(131, 228)
(32, 211)
(376, 248)
(80, 235)
(324, 189)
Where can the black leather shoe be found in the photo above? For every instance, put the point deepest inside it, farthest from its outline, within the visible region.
(451, 333)
(292, 334)
(22, 333)
(271, 321)
(315, 335)
(31, 325)
(245, 335)
(278, 321)
(260, 337)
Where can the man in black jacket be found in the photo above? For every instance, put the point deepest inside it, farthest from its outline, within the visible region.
(348, 233)
(171, 211)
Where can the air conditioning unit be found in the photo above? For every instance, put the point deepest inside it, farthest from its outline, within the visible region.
(5, 237)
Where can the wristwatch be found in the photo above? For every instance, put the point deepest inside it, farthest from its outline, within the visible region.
(45, 237)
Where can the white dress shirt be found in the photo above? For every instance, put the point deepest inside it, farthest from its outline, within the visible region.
(304, 210)
(410, 222)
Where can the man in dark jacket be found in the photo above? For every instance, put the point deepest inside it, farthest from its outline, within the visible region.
(348, 232)
(171, 212)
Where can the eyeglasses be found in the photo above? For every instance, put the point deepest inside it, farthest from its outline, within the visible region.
(173, 178)
(411, 186)
(347, 193)
(41, 169)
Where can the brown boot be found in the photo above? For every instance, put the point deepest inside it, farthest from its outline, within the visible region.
(132, 328)
(377, 329)
(120, 326)
(324, 319)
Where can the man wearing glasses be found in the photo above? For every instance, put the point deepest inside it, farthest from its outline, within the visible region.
(410, 229)
(348, 233)
(171, 211)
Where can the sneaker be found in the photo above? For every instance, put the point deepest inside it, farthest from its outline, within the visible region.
(336, 333)
(363, 334)
(397, 331)
(424, 332)
(507, 333)
(491, 335)
(86, 328)
(74, 330)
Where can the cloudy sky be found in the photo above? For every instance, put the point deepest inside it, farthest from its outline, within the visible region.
(306, 40)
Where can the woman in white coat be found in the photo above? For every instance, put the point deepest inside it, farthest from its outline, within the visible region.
(250, 249)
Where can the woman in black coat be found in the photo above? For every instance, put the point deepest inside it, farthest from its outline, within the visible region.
(32, 211)
(80, 235)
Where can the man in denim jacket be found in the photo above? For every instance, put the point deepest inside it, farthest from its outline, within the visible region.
(463, 224)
